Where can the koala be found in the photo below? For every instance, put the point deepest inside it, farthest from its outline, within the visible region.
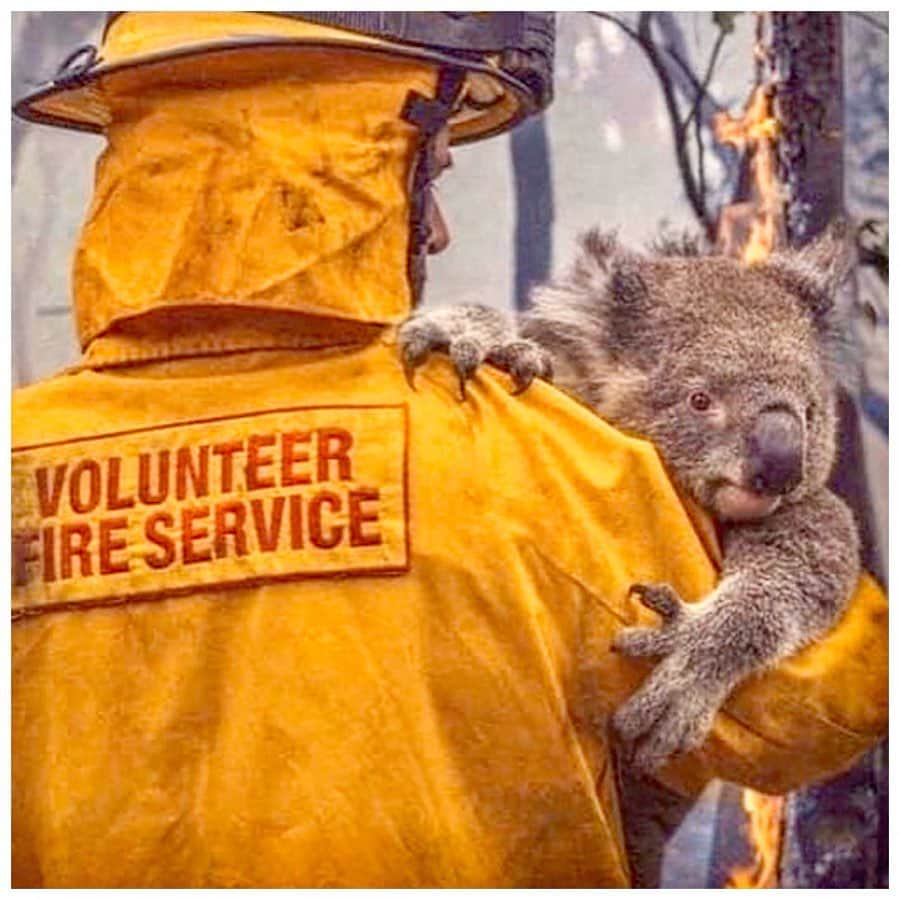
(731, 371)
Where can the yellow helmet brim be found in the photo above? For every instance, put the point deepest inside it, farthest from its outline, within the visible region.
(141, 49)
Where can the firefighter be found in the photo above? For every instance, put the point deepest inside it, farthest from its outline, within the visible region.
(278, 618)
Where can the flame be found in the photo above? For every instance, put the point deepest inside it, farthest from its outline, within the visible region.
(764, 820)
(751, 229)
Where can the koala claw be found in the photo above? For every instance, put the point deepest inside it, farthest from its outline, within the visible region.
(409, 370)
(466, 356)
(673, 710)
(661, 598)
(417, 342)
(522, 383)
(470, 336)
(670, 737)
(664, 600)
(524, 360)
(423, 335)
(666, 716)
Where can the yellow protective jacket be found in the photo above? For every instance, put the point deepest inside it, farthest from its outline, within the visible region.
(280, 620)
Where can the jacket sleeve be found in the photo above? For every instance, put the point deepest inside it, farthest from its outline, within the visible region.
(805, 720)
(597, 512)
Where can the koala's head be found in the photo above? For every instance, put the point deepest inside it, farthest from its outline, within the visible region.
(729, 369)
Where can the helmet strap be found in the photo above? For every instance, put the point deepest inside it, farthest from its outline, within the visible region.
(429, 115)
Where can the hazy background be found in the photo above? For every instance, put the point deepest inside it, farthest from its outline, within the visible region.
(611, 163)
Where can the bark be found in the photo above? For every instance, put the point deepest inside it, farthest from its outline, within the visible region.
(835, 832)
(534, 207)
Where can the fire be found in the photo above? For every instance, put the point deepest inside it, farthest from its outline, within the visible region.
(764, 819)
(751, 229)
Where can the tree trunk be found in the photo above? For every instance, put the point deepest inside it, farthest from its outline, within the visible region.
(534, 207)
(834, 832)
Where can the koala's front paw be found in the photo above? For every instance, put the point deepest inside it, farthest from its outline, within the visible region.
(524, 360)
(672, 713)
(471, 335)
(662, 599)
(674, 709)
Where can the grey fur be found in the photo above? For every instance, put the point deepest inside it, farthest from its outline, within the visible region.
(646, 341)
(472, 335)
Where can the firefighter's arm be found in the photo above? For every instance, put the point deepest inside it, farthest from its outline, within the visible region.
(601, 515)
(805, 720)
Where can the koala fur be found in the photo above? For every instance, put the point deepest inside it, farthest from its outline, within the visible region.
(731, 371)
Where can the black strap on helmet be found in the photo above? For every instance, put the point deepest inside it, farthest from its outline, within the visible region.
(485, 32)
(521, 42)
(429, 116)
(82, 59)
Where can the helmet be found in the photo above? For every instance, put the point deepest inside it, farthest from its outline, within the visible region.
(505, 59)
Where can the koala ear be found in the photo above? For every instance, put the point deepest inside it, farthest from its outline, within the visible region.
(602, 262)
(815, 272)
(596, 249)
(682, 243)
(626, 283)
(576, 313)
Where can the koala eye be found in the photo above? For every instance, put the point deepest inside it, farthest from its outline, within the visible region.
(700, 401)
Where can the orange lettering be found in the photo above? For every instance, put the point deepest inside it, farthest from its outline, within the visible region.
(359, 517)
(256, 461)
(334, 446)
(317, 534)
(47, 553)
(188, 535)
(161, 539)
(48, 498)
(267, 534)
(199, 475)
(113, 484)
(290, 455)
(69, 548)
(296, 504)
(146, 494)
(109, 543)
(227, 451)
(24, 552)
(238, 512)
(80, 502)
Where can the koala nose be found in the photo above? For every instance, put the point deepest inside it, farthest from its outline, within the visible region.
(775, 452)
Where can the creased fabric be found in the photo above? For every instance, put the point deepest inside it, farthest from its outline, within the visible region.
(281, 619)
(284, 195)
(443, 724)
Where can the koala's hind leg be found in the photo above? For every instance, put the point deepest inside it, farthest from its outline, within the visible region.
(472, 335)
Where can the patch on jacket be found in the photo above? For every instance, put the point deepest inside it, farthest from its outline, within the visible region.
(225, 502)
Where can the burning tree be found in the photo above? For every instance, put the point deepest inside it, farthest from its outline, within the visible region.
(791, 132)
(789, 185)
